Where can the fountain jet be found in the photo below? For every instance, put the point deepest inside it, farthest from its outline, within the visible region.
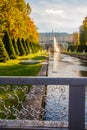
(56, 48)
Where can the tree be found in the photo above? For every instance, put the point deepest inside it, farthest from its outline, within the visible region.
(14, 18)
(28, 9)
(75, 38)
(27, 45)
(9, 47)
(3, 53)
(83, 32)
(20, 47)
(15, 46)
(24, 45)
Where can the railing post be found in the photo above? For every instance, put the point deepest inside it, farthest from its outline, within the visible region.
(76, 107)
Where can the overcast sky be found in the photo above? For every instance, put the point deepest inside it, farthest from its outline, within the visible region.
(58, 15)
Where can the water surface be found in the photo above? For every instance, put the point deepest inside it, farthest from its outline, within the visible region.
(57, 99)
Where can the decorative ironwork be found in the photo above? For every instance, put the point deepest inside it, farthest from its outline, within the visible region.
(22, 102)
(76, 95)
(18, 102)
(57, 103)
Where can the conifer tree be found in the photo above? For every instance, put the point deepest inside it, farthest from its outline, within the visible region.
(20, 47)
(25, 47)
(15, 46)
(32, 48)
(3, 53)
(9, 47)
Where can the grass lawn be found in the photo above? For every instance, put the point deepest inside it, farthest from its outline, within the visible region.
(13, 96)
(14, 68)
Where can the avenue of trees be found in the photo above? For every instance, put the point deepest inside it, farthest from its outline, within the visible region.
(80, 39)
(18, 32)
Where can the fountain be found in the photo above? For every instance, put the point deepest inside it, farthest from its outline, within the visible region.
(56, 55)
(56, 48)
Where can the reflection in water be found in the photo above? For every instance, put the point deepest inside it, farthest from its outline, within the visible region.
(61, 65)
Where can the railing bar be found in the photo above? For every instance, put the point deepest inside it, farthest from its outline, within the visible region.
(77, 107)
(43, 81)
(32, 128)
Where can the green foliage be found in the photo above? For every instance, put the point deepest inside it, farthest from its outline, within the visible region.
(3, 53)
(32, 47)
(10, 99)
(77, 48)
(82, 48)
(27, 46)
(83, 37)
(15, 46)
(76, 38)
(9, 47)
(28, 9)
(24, 45)
(20, 47)
(71, 48)
(83, 32)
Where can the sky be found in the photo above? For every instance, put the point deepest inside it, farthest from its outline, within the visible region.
(58, 15)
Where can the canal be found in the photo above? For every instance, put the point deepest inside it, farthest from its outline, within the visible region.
(57, 98)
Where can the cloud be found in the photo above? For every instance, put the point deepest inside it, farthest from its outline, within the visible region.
(58, 15)
(82, 10)
(54, 12)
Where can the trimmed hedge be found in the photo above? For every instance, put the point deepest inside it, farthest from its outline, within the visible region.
(15, 47)
(20, 47)
(9, 46)
(3, 53)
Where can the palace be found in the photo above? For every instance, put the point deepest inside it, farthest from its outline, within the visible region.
(61, 38)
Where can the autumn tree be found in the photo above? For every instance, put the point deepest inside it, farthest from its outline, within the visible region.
(75, 38)
(14, 18)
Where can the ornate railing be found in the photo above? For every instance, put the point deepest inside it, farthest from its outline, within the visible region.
(23, 106)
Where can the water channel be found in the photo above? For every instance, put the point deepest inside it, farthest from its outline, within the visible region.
(61, 65)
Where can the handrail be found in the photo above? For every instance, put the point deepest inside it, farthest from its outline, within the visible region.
(42, 80)
(76, 94)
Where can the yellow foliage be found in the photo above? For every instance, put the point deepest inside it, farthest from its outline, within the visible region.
(16, 21)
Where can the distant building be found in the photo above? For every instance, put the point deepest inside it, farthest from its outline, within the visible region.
(47, 38)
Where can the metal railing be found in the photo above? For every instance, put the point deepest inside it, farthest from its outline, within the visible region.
(77, 86)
